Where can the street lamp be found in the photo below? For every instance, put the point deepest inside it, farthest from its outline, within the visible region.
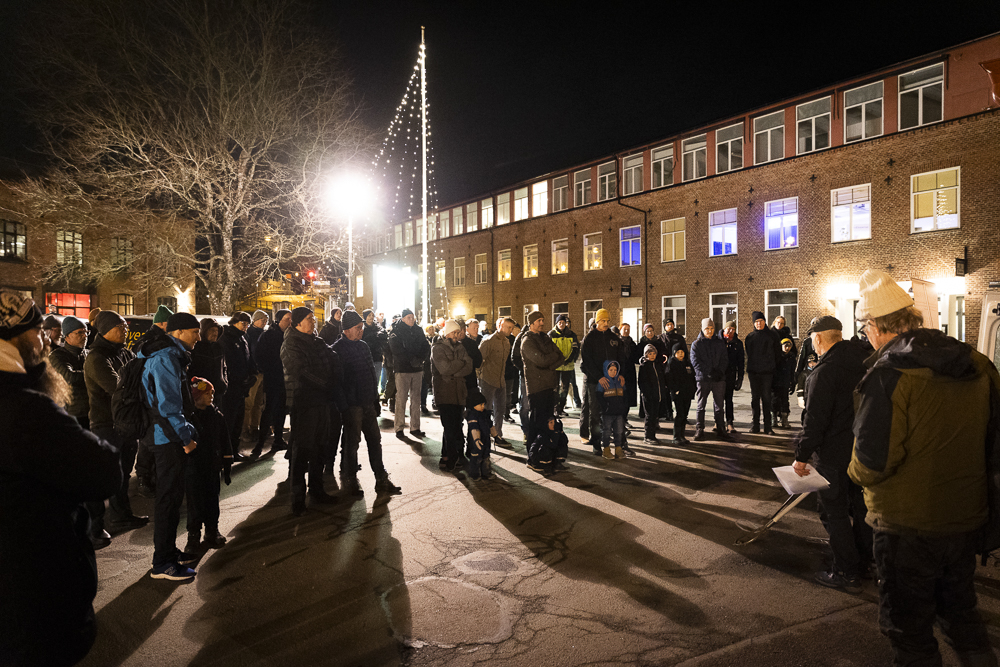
(349, 194)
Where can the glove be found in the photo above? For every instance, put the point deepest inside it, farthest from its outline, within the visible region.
(227, 469)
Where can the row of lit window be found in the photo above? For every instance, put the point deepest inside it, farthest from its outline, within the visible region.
(69, 246)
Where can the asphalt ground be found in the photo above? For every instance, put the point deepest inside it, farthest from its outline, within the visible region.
(625, 562)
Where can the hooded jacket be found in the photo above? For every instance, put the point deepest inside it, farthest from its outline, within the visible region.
(100, 371)
(612, 399)
(651, 379)
(541, 358)
(267, 356)
(168, 392)
(680, 377)
(409, 348)
(709, 359)
(240, 368)
(568, 344)
(735, 359)
(450, 363)
(924, 414)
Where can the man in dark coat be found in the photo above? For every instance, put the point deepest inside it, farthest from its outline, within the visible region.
(68, 360)
(267, 357)
(670, 337)
(409, 349)
(827, 438)
(208, 359)
(599, 345)
(241, 372)
(735, 365)
(471, 345)
(709, 359)
(49, 467)
(376, 338)
(541, 358)
(255, 400)
(763, 349)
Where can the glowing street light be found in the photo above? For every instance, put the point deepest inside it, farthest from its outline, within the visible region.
(349, 194)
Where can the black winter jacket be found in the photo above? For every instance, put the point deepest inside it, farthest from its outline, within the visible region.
(240, 367)
(598, 347)
(377, 340)
(208, 360)
(312, 370)
(267, 356)
(68, 361)
(409, 348)
(737, 360)
(680, 379)
(763, 350)
(651, 378)
(331, 331)
(471, 346)
(104, 362)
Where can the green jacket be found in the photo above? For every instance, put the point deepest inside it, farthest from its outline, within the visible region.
(921, 427)
(568, 344)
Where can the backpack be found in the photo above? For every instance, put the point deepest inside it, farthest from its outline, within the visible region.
(129, 408)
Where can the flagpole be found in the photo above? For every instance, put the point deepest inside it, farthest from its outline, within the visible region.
(423, 132)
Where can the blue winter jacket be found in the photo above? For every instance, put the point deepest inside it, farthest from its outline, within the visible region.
(165, 380)
(709, 359)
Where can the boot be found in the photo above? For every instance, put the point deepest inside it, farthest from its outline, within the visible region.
(720, 427)
(784, 420)
(213, 540)
(769, 421)
(193, 545)
(699, 428)
(774, 420)
(255, 452)
(384, 485)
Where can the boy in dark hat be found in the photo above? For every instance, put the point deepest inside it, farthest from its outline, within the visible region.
(682, 386)
(213, 455)
(549, 449)
(477, 446)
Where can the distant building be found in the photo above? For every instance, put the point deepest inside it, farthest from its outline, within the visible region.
(779, 209)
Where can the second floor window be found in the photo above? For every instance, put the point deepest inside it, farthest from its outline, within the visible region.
(812, 122)
(607, 182)
(530, 257)
(935, 200)
(729, 148)
(69, 248)
(781, 223)
(592, 252)
(398, 229)
(13, 242)
(560, 193)
(481, 274)
(851, 213)
(503, 208)
(672, 240)
(769, 137)
(540, 198)
(663, 166)
(408, 233)
(121, 253)
(520, 204)
(631, 245)
(722, 232)
(581, 187)
(459, 272)
(863, 112)
(560, 256)
(503, 265)
(695, 156)
(486, 206)
(920, 97)
(124, 304)
(457, 221)
(632, 175)
(471, 217)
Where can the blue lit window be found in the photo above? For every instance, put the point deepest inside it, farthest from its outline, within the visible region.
(781, 223)
(722, 232)
(631, 244)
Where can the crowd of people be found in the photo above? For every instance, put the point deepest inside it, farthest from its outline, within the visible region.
(908, 485)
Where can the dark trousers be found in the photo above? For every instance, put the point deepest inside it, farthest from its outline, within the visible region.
(682, 406)
(273, 416)
(730, 390)
(513, 386)
(590, 416)
(541, 408)
(119, 505)
(145, 464)
(923, 578)
(360, 421)
(425, 387)
(311, 424)
(333, 441)
(170, 464)
(843, 512)
(234, 407)
(779, 400)
(651, 410)
(760, 397)
(202, 488)
(452, 440)
(566, 382)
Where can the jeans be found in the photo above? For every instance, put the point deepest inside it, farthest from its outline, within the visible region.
(717, 390)
(523, 410)
(730, 390)
(760, 397)
(613, 430)
(843, 511)
(408, 384)
(496, 400)
(357, 421)
(541, 408)
(170, 464)
(921, 578)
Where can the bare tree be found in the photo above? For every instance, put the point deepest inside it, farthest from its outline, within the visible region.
(202, 132)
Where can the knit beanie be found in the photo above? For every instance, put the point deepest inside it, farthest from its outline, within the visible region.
(280, 315)
(17, 315)
(200, 387)
(180, 322)
(533, 316)
(368, 311)
(602, 314)
(239, 316)
(707, 322)
(449, 326)
(260, 315)
(406, 311)
(162, 314)
(71, 324)
(475, 398)
(730, 323)
(351, 319)
(107, 320)
(880, 295)
(676, 347)
(299, 314)
(649, 348)
(563, 317)
(757, 315)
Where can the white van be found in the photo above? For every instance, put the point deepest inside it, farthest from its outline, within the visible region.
(989, 327)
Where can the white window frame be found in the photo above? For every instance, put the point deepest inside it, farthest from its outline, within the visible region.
(670, 312)
(783, 210)
(398, 236)
(440, 274)
(528, 309)
(607, 181)
(936, 80)
(668, 237)
(563, 309)
(848, 200)
(765, 134)
(865, 108)
(804, 121)
(728, 145)
(632, 174)
(560, 193)
(486, 206)
(521, 211)
(418, 226)
(503, 265)
(482, 269)
(596, 262)
(560, 257)
(690, 150)
(720, 219)
(581, 187)
(937, 190)
(432, 227)
(662, 166)
(734, 304)
(634, 242)
(503, 208)
(445, 224)
(529, 261)
(471, 217)
(458, 269)
(457, 221)
(588, 314)
(540, 199)
(773, 310)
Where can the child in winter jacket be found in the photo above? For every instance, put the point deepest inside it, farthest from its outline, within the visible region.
(781, 384)
(549, 449)
(682, 386)
(611, 399)
(214, 454)
(478, 438)
(650, 384)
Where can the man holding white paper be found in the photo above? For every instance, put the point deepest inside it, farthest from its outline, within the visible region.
(827, 438)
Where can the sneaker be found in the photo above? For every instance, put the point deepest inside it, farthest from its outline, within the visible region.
(194, 543)
(100, 540)
(732, 429)
(185, 558)
(384, 485)
(351, 487)
(214, 540)
(536, 467)
(606, 453)
(399, 434)
(629, 452)
(172, 572)
(650, 441)
(839, 580)
(499, 441)
(418, 434)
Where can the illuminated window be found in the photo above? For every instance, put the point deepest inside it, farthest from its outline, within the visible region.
(123, 304)
(503, 265)
(540, 198)
(69, 248)
(851, 213)
(520, 204)
(812, 126)
(607, 182)
(486, 206)
(863, 112)
(592, 252)
(359, 286)
(560, 256)
(457, 221)
(530, 256)
(560, 193)
(77, 305)
(529, 308)
(13, 240)
(503, 208)
(672, 240)
(432, 227)
(934, 204)
(663, 166)
(920, 97)
(675, 308)
(695, 158)
(445, 224)
(783, 302)
(439, 277)
(420, 231)
(781, 223)
(729, 148)
(472, 217)
(481, 270)
(722, 232)
(581, 185)
(459, 272)
(630, 239)
(769, 137)
(632, 174)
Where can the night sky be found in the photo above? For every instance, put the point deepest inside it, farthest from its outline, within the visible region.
(521, 89)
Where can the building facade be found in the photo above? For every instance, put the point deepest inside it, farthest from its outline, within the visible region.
(779, 209)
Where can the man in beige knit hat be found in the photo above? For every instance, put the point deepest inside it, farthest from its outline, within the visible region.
(922, 423)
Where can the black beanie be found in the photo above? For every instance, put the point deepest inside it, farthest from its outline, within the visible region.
(300, 314)
(280, 314)
(350, 320)
(107, 320)
(180, 321)
(475, 398)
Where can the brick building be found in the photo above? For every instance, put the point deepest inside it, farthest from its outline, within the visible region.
(779, 209)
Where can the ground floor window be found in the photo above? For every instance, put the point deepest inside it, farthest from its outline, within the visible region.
(65, 303)
(528, 309)
(561, 308)
(784, 302)
(724, 307)
(675, 308)
(590, 309)
(503, 311)
(124, 304)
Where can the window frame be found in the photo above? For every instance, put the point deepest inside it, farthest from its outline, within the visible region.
(557, 261)
(503, 209)
(472, 217)
(75, 241)
(673, 243)
(482, 268)
(920, 97)
(635, 245)
(123, 301)
(440, 274)
(728, 144)
(13, 240)
(958, 200)
(607, 181)
(458, 271)
(632, 168)
(557, 313)
(80, 307)
(781, 309)
(812, 120)
(659, 158)
(767, 132)
(539, 199)
(486, 208)
(521, 199)
(673, 312)
(693, 153)
(529, 260)
(588, 314)
(597, 265)
(864, 111)
(457, 221)
(122, 253)
(712, 306)
(712, 216)
(582, 188)
(503, 263)
(850, 208)
(560, 193)
(767, 217)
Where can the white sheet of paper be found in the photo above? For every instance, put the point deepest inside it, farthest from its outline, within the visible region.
(794, 484)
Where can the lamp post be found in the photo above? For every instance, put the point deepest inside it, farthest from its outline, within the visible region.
(349, 194)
